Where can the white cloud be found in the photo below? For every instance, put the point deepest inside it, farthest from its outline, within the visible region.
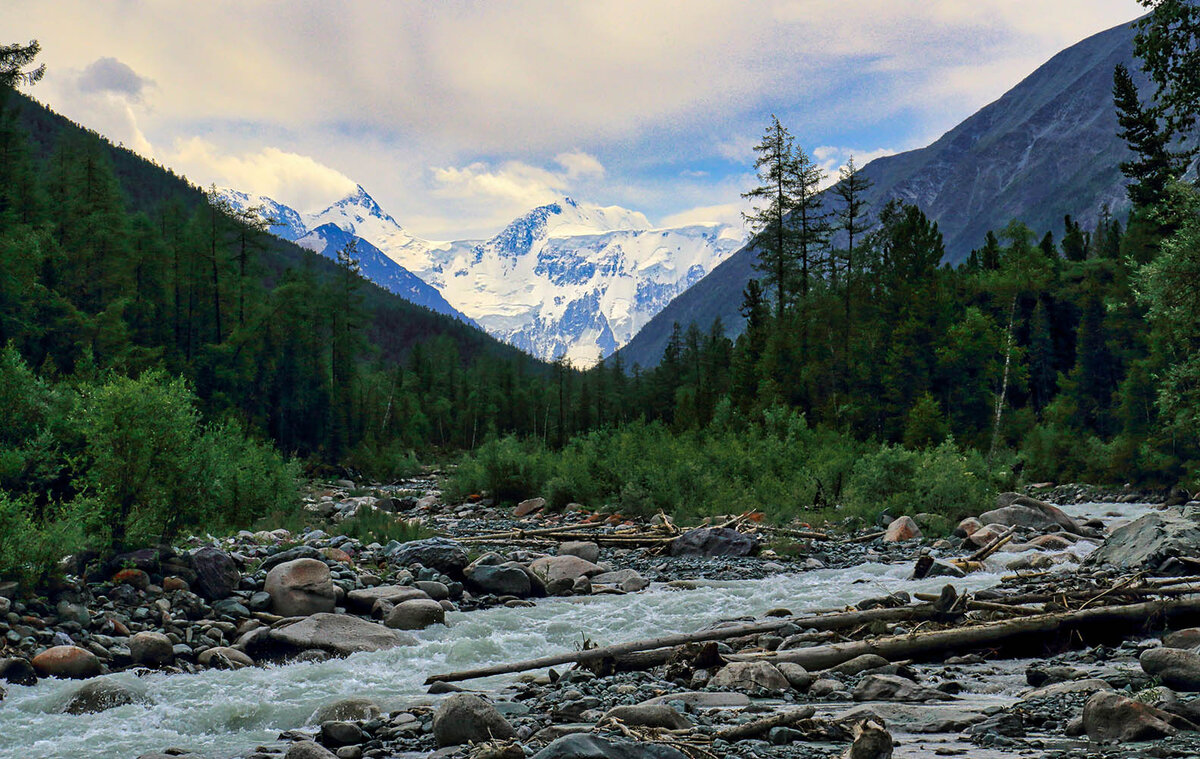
(833, 159)
(580, 164)
(725, 213)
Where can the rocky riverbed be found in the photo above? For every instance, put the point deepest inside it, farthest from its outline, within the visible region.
(312, 644)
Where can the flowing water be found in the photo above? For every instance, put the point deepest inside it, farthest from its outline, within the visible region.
(222, 713)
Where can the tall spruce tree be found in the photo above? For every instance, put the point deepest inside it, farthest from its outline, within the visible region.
(775, 239)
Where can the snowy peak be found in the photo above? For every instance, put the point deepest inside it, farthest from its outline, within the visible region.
(284, 222)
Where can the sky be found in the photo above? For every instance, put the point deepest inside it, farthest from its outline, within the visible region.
(457, 117)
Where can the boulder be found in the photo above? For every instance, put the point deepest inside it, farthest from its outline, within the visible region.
(224, 657)
(363, 600)
(968, 526)
(67, 661)
(1109, 717)
(586, 746)
(444, 555)
(136, 578)
(464, 718)
(300, 587)
(903, 528)
(797, 676)
(100, 695)
(217, 575)
(714, 541)
(750, 676)
(860, 663)
(895, 688)
(17, 671)
(336, 733)
(291, 554)
(346, 710)
(627, 580)
(558, 569)
(1051, 543)
(1055, 514)
(584, 549)
(1177, 668)
(530, 506)
(1151, 542)
(648, 715)
(339, 634)
(702, 699)
(500, 580)
(416, 614)
(1083, 685)
(308, 750)
(152, 649)
(1188, 637)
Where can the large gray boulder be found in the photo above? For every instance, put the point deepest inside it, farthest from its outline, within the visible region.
(346, 710)
(750, 677)
(559, 569)
(217, 575)
(339, 634)
(501, 580)
(363, 600)
(301, 587)
(1109, 717)
(586, 746)
(648, 715)
(713, 541)
(1177, 668)
(895, 688)
(444, 555)
(291, 554)
(100, 695)
(464, 718)
(416, 614)
(1152, 542)
(152, 649)
(1049, 510)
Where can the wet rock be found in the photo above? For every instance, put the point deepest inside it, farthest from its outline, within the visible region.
(1051, 543)
(224, 657)
(1151, 541)
(703, 699)
(336, 733)
(627, 580)
(797, 676)
(363, 600)
(1018, 516)
(584, 549)
(750, 676)
(217, 575)
(152, 649)
(648, 715)
(1109, 717)
(67, 661)
(714, 541)
(583, 746)
(346, 710)
(871, 741)
(339, 634)
(464, 718)
(1087, 685)
(300, 587)
(1189, 637)
(1049, 510)
(291, 554)
(1175, 667)
(100, 695)
(444, 555)
(900, 529)
(17, 671)
(968, 526)
(558, 569)
(895, 688)
(416, 614)
(309, 750)
(500, 580)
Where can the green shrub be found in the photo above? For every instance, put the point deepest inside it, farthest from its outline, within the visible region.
(30, 549)
(941, 480)
(375, 525)
(387, 463)
(507, 469)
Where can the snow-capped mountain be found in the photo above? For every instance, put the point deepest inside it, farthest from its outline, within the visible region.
(284, 222)
(566, 279)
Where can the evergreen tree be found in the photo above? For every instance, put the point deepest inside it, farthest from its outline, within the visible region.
(1153, 164)
(779, 172)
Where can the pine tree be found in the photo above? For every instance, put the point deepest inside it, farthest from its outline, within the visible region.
(1154, 164)
(780, 175)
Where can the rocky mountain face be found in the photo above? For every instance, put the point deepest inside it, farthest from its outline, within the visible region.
(566, 279)
(1046, 148)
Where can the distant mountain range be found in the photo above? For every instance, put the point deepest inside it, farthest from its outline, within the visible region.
(1046, 148)
(566, 279)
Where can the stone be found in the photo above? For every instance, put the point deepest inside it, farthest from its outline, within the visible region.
(1109, 717)
(445, 555)
(217, 575)
(1177, 668)
(1189, 637)
(585, 746)
(967, 527)
(627, 580)
(100, 695)
(17, 671)
(584, 549)
(895, 688)
(648, 715)
(500, 580)
(224, 657)
(871, 741)
(704, 699)
(1151, 541)
(291, 554)
(153, 649)
(336, 733)
(173, 583)
(416, 614)
(308, 750)
(464, 718)
(903, 528)
(363, 600)
(1051, 543)
(750, 676)
(300, 587)
(530, 506)
(70, 662)
(432, 588)
(346, 710)
(1018, 516)
(134, 577)
(797, 676)
(860, 663)
(1060, 517)
(339, 634)
(714, 541)
(552, 569)
(1086, 685)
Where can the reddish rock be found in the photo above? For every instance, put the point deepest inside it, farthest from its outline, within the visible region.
(903, 528)
(338, 555)
(968, 527)
(300, 587)
(532, 506)
(1051, 543)
(1112, 718)
(135, 577)
(1188, 637)
(174, 583)
(985, 535)
(67, 661)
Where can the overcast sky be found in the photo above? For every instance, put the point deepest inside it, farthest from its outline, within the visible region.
(459, 116)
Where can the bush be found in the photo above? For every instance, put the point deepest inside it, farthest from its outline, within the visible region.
(942, 480)
(375, 525)
(31, 549)
(506, 468)
(386, 463)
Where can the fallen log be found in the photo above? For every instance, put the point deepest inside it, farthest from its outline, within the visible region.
(760, 726)
(838, 621)
(916, 645)
(995, 545)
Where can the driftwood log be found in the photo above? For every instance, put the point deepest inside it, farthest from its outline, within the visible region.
(760, 726)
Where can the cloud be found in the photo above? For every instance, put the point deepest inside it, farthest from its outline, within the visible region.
(110, 75)
(725, 213)
(580, 164)
(833, 159)
(296, 180)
